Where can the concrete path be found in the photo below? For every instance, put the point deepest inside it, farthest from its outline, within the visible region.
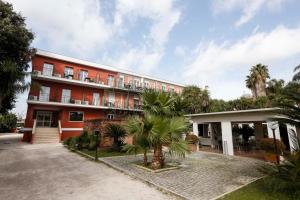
(49, 171)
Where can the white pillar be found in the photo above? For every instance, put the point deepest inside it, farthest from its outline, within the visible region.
(196, 132)
(227, 138)
(195, 128)
(270, 131)
(292, 135)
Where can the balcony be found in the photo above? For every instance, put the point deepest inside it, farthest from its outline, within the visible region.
(94, 82)
(69, 102)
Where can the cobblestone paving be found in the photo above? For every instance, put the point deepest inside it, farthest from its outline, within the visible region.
(202, 176)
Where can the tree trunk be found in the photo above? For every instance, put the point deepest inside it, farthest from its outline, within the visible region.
(145, 158)
(156, 160)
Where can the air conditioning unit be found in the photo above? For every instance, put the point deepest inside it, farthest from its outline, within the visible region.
(77, 101)
(37, 72)
(86, 102)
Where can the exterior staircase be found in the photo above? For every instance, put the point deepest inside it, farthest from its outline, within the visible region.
(46, 135)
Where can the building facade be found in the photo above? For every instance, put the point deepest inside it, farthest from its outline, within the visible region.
(71, 91)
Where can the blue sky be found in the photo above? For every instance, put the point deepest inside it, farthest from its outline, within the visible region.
(207, 42)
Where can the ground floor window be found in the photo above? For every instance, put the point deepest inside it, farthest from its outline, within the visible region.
(75, 116)
(110, 116)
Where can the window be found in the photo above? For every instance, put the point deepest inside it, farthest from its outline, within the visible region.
(164, 87)
(66, 96)
(47, 69)
(75, 116)
(110, 116)
(121, 81)
(146, 84)
(83, 75)
(68, 72)
(136, 82)
(110, 80)
(111, 99)
(44, 93)
(172, 89)
(96, 99)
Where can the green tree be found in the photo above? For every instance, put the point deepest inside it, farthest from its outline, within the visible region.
(140, 129)
(15, 53)
(118, 133)
(257, 79)
(7, 122)
(296, 76)
(196, 99)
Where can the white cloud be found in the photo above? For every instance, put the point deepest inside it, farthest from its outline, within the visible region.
(180, 51)
(73, 26)
(249, 8)
(163, 16)
(213, 61)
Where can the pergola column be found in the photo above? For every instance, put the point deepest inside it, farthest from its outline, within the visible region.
(270, 131)
(292, 135)
(227, 138)
(195, 128)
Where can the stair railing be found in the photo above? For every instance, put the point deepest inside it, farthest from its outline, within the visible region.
(59, 127)
(34, 126)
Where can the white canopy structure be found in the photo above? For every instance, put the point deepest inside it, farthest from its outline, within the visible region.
(215, 128)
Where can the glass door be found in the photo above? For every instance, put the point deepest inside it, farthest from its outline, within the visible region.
(44, 93)
(96, 99)
(43, 118)
(47, 69)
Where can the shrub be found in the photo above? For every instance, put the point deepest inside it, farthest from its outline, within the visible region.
(286, 176)
(67, 141)
(8, 122)
(73, 142)
(267, 144)
(192, 139)
(83, 140)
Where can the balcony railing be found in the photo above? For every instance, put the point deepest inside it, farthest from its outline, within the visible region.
(104, 103)
(113, 83)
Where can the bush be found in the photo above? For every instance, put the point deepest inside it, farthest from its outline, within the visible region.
(286, 176)
(67, 141)
(8, 122)
(267, 144)
(192, 139)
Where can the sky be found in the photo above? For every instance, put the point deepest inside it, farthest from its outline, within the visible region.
(210, 43)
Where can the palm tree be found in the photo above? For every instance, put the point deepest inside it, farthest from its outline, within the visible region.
(257, 79)
(118, 133)
(296, 77)
(250, 83)
(155, 132)
(157, 103)
(167, 132)
(139, 128)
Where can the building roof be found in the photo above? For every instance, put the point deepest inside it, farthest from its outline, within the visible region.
(235, 112)
(100, 66)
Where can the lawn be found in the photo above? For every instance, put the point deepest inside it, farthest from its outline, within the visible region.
(256, 191)
(105, 153)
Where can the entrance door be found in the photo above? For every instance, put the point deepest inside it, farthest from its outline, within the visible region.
(43, 118)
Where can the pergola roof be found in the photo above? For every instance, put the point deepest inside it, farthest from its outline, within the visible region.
(251, 115)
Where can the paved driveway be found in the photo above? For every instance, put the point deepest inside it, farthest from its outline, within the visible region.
(202, 176)
(52, 172)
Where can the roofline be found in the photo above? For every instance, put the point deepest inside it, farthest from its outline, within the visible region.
(100, 66)
(233, 112)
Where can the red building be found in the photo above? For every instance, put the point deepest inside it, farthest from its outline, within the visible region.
(72, 91)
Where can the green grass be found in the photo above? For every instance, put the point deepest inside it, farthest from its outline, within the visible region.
(256, 191)
(105, 153)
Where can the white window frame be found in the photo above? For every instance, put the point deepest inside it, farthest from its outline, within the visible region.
(44, 93)
(121, 84)
(76, 111)
(48, 69)
(110, 116)
(68, 71)
(110, 80)
(96, 99)
(83, 74)
(65, 95)
(111, 97)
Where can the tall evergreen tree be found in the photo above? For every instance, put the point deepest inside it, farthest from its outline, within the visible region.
(15, 54)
